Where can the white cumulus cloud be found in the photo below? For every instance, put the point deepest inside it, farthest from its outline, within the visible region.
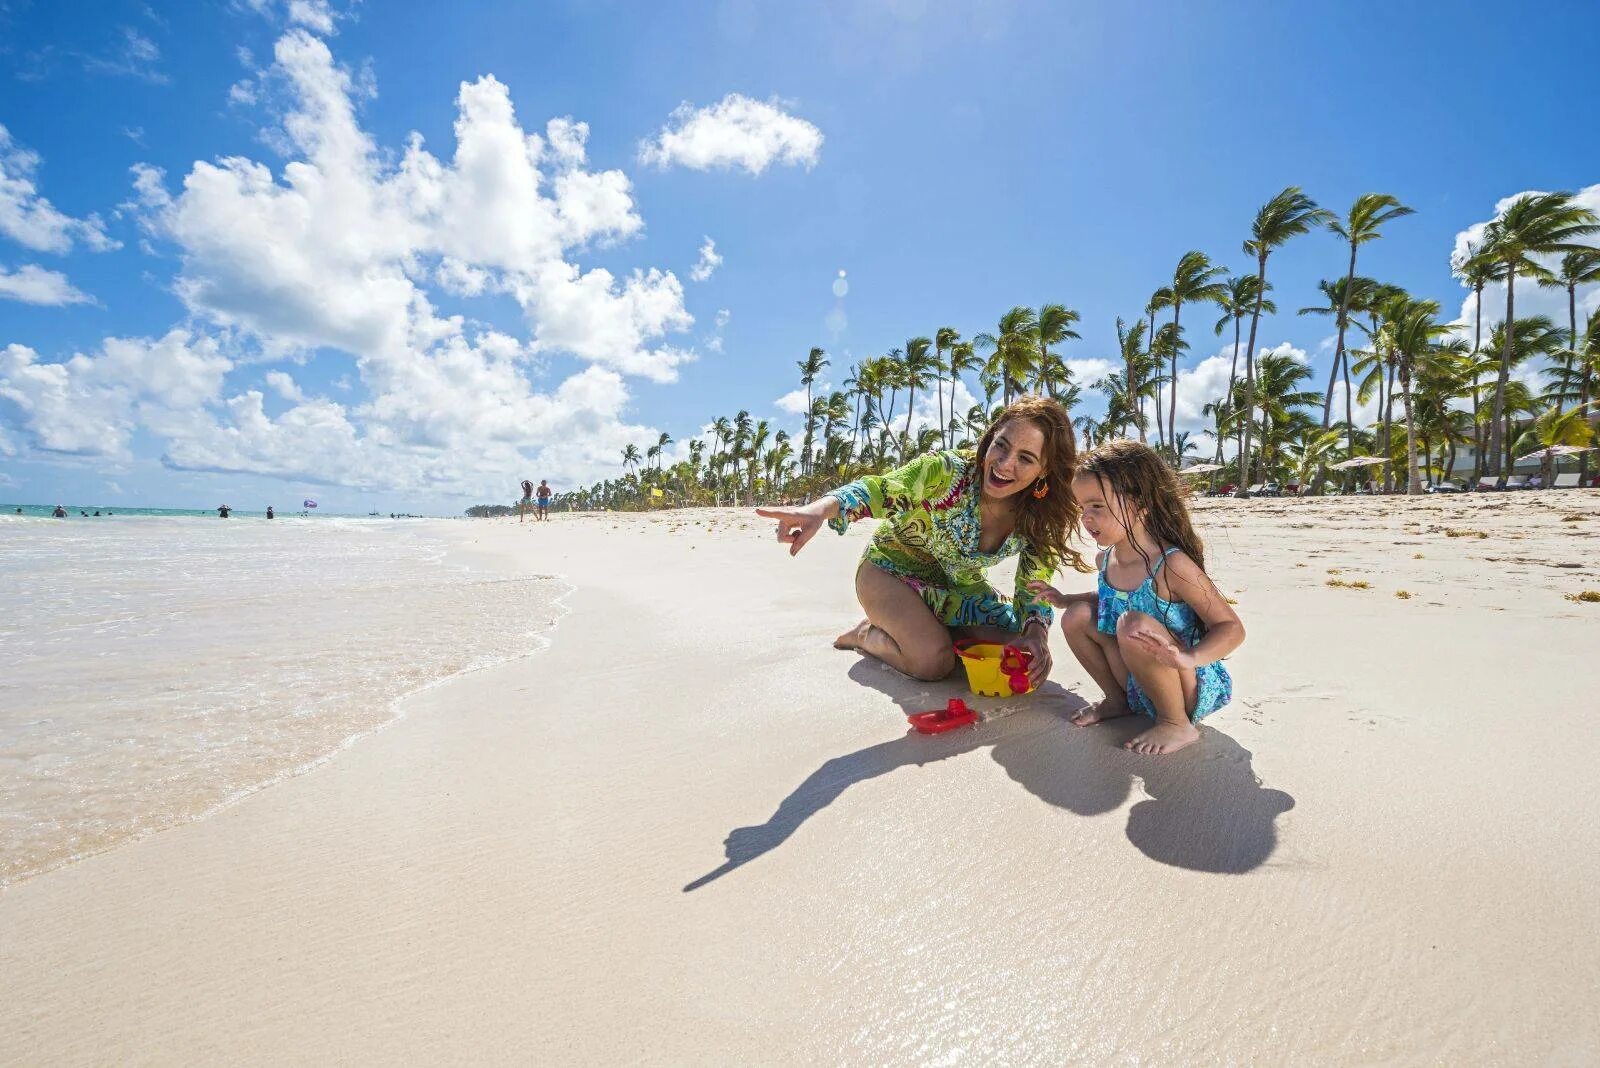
(338, 251)
(734, 132)
(32, 284)
(28, 218)
(709, 261)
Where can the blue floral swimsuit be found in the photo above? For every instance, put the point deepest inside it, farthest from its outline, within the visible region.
(1215, 685)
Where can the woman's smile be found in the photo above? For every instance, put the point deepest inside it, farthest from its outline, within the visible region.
(996, 481)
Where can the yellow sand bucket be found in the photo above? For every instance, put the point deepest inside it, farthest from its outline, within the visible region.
(994, 670)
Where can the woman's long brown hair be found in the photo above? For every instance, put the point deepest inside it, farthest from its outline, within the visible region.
(1143, 480)
(1046, 523)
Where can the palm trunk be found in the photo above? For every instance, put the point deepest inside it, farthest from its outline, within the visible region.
(1338, 357)
(1584, 393)
(1413, 485)
(1572, 326)
(1388, 425)
(1497, 444)
(1172, 409)
(1477, 425)
(1233, 383)
(911, 398)
(1250, 374)
(1161, 434)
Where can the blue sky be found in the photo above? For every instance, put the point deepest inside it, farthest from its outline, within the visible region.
(971, 157)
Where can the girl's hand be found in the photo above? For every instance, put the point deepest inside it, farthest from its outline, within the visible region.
(1049, 594)
(1162, 647)
(1036, 640)
(796, 526)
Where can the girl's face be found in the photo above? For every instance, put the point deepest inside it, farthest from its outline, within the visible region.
(1107, 515)
(1014, 461)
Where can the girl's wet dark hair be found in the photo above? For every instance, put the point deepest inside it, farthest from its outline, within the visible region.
(1134, 472)
(1046, 523)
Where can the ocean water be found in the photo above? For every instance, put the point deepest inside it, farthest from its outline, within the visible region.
(155, 668)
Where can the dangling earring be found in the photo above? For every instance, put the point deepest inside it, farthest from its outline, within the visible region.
(1041, 489)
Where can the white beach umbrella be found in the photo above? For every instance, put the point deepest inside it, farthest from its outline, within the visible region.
(1359, 461)
(1555, 450)
(1200, 469)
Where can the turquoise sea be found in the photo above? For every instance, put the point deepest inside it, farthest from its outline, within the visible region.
(78, 511)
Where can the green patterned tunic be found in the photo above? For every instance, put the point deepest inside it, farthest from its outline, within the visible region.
(929, 540)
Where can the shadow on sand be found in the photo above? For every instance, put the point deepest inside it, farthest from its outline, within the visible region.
(1206, 809)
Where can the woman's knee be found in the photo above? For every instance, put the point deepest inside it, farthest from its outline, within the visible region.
(931, 665)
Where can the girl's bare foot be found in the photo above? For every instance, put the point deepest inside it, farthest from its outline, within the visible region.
(1163, 738)
(1109, 708)
(852, 638)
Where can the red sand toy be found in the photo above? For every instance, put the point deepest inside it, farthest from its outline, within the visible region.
(955, 714)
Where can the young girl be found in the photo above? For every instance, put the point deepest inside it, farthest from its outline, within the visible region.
(1154, 634)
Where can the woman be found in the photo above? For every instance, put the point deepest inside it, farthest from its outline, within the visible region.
(948, 516)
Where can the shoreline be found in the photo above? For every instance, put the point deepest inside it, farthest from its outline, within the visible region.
(444, 553)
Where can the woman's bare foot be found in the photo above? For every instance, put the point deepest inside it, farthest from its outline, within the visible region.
(1163, 738)
(852, 638)
(1109, 708)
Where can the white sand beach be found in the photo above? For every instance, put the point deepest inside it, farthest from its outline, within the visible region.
(690, 831)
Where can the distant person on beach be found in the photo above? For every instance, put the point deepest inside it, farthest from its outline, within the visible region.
(1154, 633)
(527, 500)
(59, 513)
(19, 511)
(544, 500)
(947, 516)
(224, 511)
(270, 513)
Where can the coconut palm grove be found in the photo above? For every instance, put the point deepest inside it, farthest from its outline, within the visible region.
(1451, 414)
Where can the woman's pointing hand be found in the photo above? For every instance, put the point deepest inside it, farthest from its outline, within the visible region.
(796, 526)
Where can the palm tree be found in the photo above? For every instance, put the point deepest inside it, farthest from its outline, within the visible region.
(661, 445)
(1289, 214)
(1412, 331)
(1055, 379)
(1280, 398)
(1136, 363)
(963, 357)
(1015, 350)
(810, 368)
(1578, 268)
(919, 369)
(1343, 296)
(1476, 272)
(1053, 325)
(1165, 348)
(1195, 279)
(943, 338)
(1157, 301)
(1361, 225)
(1238, 301)
(1534, 224)
(630, 456)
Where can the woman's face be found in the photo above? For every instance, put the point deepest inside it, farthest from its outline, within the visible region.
(1015, 460)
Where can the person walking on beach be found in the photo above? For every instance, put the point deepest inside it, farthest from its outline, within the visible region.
(270, 514)
(947, 517)
(526, 502)
(224, 510)
(544, 500)
(1154, 633)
